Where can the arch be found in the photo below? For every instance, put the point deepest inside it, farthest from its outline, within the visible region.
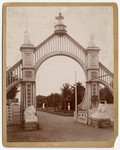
(58, 53)
(56, 45)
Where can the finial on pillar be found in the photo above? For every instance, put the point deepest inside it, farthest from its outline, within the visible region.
(92, 38)
(27, 41)
(60, 28)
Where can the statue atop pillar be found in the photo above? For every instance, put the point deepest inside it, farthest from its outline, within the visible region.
(27, 41)
(92, 38)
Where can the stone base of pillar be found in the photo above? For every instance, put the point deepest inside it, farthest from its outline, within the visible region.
(80, 116)
(30, 126)
(100, 123)
(100, 118)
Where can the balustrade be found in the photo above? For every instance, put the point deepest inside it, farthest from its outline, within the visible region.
(14, 74)
(106, 75)
(59, 44)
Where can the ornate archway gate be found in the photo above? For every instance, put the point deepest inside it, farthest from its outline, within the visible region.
(59, 43)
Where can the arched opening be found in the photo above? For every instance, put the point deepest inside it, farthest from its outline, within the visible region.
(55, 72)
(59, 53)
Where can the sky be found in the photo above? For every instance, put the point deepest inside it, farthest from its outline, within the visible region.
(81, 21)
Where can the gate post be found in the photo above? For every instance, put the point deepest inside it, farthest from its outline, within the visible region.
(92, 63)
(28, 91)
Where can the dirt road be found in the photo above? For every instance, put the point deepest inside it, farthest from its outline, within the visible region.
(55, 128)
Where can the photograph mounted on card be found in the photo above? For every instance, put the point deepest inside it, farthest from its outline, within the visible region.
(60, 74)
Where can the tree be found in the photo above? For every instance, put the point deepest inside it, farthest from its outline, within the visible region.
(67, 96)
(52, 100)
(40, 100)
(80, 94)
(55, 99)
(106, 95)
(66, 93)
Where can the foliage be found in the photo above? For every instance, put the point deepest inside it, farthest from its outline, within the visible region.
(80, 94)
(52, 100)
(106, 95)
(66, 93)
(40, 100)
(60, 101)
(12, 93)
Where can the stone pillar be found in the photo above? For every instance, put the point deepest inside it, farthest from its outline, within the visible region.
(92, 63)
(28, 97)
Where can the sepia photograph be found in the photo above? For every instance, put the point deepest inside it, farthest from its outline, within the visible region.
(60, 74)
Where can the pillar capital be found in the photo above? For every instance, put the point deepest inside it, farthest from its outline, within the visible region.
(92, 58)
(27, 56)
(26, 48)
(92, 50)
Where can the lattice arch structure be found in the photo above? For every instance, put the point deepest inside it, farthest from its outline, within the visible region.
(56, 45)
(59, 43)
